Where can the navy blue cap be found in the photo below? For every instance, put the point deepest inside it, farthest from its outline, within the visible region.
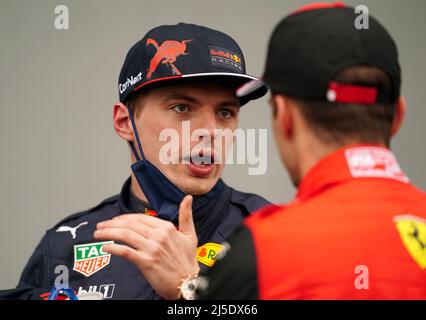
(184, 53)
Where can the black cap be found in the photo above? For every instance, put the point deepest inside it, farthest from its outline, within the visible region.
(309, 47)
(184, 53)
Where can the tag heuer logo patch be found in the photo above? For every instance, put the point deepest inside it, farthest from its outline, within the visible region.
(413, 235)
(89, 258)
(208, 252)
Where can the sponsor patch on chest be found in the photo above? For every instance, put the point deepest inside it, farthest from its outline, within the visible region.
(89, 258)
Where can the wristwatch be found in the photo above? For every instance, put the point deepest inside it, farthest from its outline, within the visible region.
(188, 287)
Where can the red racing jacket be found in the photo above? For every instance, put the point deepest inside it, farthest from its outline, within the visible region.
(356, 230)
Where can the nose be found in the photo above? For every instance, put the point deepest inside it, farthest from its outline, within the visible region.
(208, 125)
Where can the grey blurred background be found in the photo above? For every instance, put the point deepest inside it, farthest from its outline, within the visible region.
(60, 154)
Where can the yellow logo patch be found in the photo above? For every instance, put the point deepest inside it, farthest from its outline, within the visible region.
(208, 252)
(413, 234)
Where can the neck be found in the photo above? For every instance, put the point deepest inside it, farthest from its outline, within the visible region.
(136, 189)
(310, 154)
(312, 150)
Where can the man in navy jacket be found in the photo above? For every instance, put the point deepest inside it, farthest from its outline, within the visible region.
(175, 74)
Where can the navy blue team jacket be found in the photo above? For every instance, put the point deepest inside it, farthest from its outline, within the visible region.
(115, 277)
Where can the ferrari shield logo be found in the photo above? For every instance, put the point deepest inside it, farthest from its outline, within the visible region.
(413, 235)
(208, 252)
(89, 258)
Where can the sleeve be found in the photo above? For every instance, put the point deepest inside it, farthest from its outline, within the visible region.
(34, 279)
(234, 276)
(35, 273)
(23, 293)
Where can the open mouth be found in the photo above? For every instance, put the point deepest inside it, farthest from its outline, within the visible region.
(202, 159)
(201, 164)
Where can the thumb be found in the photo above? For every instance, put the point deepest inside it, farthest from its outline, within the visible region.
(186, 223)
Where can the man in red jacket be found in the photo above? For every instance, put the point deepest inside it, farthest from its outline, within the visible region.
(357, 228)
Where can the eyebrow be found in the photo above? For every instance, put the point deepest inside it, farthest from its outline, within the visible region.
(230, 103)
(179, 96)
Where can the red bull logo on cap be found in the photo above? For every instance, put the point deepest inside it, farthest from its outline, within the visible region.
(167, 53)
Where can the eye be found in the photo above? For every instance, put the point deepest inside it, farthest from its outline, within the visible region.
(180, 108)
(225, 113)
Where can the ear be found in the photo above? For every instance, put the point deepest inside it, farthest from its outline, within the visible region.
(283, 115)
(401, 108)
(122, 124)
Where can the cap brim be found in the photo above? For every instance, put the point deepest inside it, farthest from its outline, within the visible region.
(251, 90)
(233, 79)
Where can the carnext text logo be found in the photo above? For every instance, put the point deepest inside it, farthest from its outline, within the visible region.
(123, 86)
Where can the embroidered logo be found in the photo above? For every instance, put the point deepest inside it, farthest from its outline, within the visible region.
(412, 231)
(73, 230)
(167, 53)
(208, 252)
(374, 162)
(224, 58)
(89, 258)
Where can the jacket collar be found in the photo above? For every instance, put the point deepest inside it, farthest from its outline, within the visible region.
(347, 163)
(129, 203)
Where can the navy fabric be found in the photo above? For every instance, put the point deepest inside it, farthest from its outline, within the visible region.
(168, 53)
(121, 279)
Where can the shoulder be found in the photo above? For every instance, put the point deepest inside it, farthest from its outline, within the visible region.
(77, 229)
(100, 212)
(56, 246)
(249, 201)
(234, 275)
(283, 215)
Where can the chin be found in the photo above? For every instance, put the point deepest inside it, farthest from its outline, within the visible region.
(191, 184)
(198, 186)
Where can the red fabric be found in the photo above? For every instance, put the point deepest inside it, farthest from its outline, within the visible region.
(347, 93)
(320, 5)
(156, 80)
(311, 248)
